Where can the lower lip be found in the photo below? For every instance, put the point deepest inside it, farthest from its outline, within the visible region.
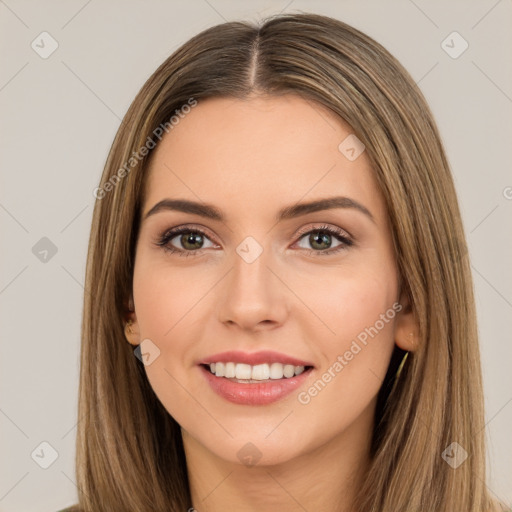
(266, 392)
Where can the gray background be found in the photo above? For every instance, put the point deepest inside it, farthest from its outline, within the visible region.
(59, 116)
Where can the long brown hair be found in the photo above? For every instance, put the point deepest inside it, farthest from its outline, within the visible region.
(129, 449)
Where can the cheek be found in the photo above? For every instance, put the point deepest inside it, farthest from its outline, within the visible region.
(356, 344)
(351, 336)
(165, 296)
(365, 309)
(350, 301)
(169, 306)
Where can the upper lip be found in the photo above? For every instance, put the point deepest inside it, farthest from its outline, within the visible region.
(254, 358)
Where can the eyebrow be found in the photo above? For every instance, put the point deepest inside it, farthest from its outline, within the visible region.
(289, 212)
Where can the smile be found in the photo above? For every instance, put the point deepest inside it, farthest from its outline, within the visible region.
(246, 373)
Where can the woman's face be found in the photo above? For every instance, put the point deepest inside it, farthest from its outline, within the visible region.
(272, 285)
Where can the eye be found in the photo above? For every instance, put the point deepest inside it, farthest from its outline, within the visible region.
(190, 239)
(320, 237)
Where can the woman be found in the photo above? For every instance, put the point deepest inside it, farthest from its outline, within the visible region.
(316, 349)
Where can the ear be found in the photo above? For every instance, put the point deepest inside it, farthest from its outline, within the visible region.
(131, 326)
(406, 326)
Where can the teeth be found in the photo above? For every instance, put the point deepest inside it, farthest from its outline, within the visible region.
(230, 371)
(220, 369)
(258, 372)
(242, 371)
(276, 371)
(288, 370)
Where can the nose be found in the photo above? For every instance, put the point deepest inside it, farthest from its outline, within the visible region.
(253, 296)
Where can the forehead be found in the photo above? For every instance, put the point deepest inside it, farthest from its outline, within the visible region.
(255, 153)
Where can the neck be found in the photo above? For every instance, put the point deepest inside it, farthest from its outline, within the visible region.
(325, 477)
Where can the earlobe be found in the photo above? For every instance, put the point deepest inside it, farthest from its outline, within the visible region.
(131, 327)
(406, 327)
(131, 332)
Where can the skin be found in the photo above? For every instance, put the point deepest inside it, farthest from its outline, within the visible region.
(251, 158)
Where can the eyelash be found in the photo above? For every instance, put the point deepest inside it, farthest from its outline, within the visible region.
(167, 236)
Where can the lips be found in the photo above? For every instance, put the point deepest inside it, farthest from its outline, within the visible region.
(276, 376)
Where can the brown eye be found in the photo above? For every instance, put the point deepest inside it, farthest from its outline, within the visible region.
(184, 241)
(321, 240)
(191, 241)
